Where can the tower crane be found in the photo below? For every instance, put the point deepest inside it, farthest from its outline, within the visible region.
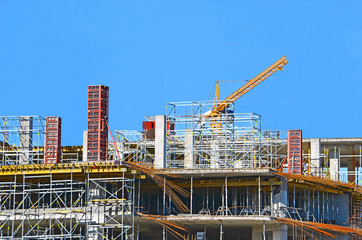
(220, 106)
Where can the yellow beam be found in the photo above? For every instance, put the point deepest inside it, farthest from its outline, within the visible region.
(89, 167)
(71, 149)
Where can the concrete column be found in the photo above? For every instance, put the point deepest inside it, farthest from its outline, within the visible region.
(214, 161)
(280, 232)
(343, 204)
(256, 233)
(315, 149)
(189, 149)
(26, 139)
(121, 151)
(350, 169)
(274, 231)
(97, 212)
(280, 199)
(85, 146)
(160, 142)
(334, 163)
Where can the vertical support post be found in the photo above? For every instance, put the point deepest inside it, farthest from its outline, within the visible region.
(360, 156)
(71, 202)
(164, 197)
(51, 198)
(191, 194)
(133, 202)
(309, 162)
(158, 202)
(353, 168)
(123, 208)
(223, 199)
(138, 207)
(294, 196)
(226, 195)
(323, 206)
(23, 206)
(169, 204)
(259, 196)
(213, 199)
(308, 208)
(271, 201)
(318, 204)
(138, 230)
(235, 200)
(327, 208)
(139, 194)
(221, 232)
(207, 197)
(247, 200)
(313, 203)
(14, 206)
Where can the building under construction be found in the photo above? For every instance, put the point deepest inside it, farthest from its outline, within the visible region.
(199, 171)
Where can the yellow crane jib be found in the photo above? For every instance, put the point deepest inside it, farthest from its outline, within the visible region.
(221, 106)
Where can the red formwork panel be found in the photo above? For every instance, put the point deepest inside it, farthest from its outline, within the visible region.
(97, 128)
(53, 136)
(149, 128)
(295, 158)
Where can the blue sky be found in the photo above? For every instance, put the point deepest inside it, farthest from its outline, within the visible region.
(153, 52)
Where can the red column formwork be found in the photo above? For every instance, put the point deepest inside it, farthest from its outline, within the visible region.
(97, 130)
(53, 138)
(295, 158)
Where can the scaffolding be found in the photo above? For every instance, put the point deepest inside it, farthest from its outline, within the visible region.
(67, 205)
(111, 205)
(237, 141)
(133, 147)
(22, 139)
(194, 142)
